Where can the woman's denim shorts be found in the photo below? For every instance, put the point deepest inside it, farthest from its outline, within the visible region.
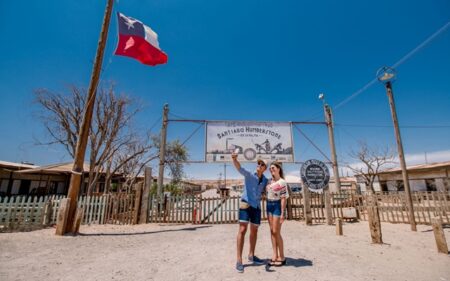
(274, 208)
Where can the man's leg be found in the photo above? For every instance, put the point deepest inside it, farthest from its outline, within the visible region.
(240, 240)
(253, 238)
(255, 221)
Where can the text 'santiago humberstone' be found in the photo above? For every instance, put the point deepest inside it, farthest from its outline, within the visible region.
(253, 140)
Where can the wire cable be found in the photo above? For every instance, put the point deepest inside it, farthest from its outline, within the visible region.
(391, 126)
(397, 64)
(191, 135)
(315, 146)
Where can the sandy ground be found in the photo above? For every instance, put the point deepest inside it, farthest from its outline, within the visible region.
(203, 252)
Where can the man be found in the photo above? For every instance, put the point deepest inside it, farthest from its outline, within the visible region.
(249, 209)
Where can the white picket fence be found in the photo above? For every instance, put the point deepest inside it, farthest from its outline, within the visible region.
(26, 213)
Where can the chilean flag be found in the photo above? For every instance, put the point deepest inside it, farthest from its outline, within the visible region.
(138, 41)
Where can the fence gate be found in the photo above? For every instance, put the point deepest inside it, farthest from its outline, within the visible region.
(120, 208)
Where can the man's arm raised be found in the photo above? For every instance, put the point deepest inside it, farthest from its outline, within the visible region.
(236, 163)
(238, 167)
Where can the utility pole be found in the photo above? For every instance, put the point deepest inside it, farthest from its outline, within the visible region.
(219, 181)
(386, 75)
(401, 155)
(330, 126)
(83, 134)
(225, 173)
(162, 149)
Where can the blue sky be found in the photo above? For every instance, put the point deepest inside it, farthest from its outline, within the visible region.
(237, 60)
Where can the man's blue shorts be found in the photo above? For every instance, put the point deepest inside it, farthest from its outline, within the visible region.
(274, 208)
(250, 214)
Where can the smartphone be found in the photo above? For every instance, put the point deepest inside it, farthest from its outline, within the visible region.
(236, 151)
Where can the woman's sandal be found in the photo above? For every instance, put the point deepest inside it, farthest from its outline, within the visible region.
(280, 263)
(272, 263)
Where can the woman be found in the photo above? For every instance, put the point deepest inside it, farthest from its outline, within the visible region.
(277, 194)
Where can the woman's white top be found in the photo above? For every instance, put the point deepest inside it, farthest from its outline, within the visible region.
(277, 189)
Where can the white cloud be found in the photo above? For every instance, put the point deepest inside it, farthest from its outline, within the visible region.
(411, 159)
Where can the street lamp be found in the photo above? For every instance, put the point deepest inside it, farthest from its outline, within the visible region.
(387, 76)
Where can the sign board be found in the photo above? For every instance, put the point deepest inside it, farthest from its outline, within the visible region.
(315, 175)
(251, 140)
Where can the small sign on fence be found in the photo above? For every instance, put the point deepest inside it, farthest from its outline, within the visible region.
(315, 175)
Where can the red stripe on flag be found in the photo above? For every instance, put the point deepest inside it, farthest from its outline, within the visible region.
(138, 48)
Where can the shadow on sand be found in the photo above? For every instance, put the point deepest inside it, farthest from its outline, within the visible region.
(145, 232)
(290, 262)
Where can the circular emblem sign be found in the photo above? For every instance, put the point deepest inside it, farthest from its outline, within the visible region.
(315, 174)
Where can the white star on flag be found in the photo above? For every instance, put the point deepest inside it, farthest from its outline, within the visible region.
(129, 22)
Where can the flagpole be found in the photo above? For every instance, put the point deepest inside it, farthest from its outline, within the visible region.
(83, 134)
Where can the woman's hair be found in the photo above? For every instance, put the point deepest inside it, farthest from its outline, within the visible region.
(279, 166)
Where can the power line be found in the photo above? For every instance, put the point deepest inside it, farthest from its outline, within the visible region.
(193, 133)
(315, 146)
(156, 123)
(397, 64)
(178, 116)
(421, 45)
(390, 126)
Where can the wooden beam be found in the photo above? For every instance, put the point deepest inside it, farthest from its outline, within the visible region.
(307, 205)
(439, 236)
(137, 203)
(374, 225)
(143, 214)
(339, 227)
(328, 212)
(63, 213)
(78, 219)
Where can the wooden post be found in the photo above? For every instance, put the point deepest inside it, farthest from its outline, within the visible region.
(307, 205)
(339, 227)
(439, 236)
(330, 125)
(83, 133)
(165, 207)
(137, 202)
(78, 220)
(289, 204)
(148, 180)
(374, 224)
(328, 212)
(61, 219)
(162, 149)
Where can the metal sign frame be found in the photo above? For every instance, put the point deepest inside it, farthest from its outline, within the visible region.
(292, 123)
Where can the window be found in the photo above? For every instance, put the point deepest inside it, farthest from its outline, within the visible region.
(3, 186)
(399, 185)
(431, 184)
(383, 186)
(24, 187)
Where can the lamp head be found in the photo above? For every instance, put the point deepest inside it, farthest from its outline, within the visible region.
(386, 74)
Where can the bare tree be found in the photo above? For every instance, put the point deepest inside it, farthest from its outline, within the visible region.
(114, 146)
(176, 154)
(131, 160)
(372, 160)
